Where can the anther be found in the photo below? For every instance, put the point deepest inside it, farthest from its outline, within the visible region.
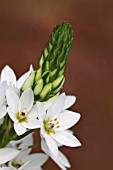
(55, 119)
(58, 127)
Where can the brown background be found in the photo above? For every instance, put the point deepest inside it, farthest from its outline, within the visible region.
(25, 26)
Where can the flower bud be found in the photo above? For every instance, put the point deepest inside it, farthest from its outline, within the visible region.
(29, 82)
(38, 87)
(46, 90)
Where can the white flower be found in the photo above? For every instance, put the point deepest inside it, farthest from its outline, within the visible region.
(6, 154)
(22, 111)
(60, 159)
(9, 76)
(56, 120)
(25, 160)
(3, 109)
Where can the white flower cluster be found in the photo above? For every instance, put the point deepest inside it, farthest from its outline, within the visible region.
(51, 117)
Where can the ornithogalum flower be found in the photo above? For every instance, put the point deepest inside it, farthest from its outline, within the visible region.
(56, 120)
(9, 76)
(25, 160)
(22, 111)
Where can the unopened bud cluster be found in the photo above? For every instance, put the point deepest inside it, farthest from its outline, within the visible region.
(48, 80)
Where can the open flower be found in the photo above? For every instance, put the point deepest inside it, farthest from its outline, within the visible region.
(55, 121)
(9, 76)
(25, 160)
(22, 111)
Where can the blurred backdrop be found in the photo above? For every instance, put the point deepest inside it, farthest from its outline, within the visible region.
(25, 26)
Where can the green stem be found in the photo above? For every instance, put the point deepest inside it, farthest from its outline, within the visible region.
(10, 135)
(35, 145)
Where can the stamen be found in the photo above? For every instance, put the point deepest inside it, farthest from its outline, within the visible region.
(55, 119)
(58, 127)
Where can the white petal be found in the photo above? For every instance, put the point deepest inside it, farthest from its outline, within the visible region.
(19, 128)
(66, 139)
(27, 99)
(14, 89)
(69, 101)
(3, 111)
(49, 102)
(41, 111)
(56, 160)
(8, 75)
(26, 142)
(12, 100)
(14, 143)
(23, 78)
(56, 107)
(52, 145)
(12, 115)
(32, 124)
(31, 69)
(7, 168)
(38, 159)
(3, 87)
(6, 154)
(33, 112)
(44, 146)
(67, 119)
(62, 158)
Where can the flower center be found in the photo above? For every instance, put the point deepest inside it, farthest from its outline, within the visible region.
(17, 165)
(50, 125)
(22, 116)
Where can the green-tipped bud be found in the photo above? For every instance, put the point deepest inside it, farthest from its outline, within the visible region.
(56, 83)
(38, 87)
(59, 87)
(46, 91)
(29, 82)
(38, 74)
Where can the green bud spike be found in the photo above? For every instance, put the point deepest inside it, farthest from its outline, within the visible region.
(54, 56)
(29, 82)
(52, 64)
